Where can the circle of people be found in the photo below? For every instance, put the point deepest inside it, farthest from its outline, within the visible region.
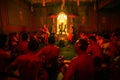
(95, 57)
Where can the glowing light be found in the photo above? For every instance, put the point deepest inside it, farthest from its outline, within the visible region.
(62, 23)
(78, 2)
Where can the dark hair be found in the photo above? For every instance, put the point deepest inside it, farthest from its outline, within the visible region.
(3, 40)
(93, 38)
(51, 39)
(83, 44)
(33, 45)
(24, 36)
(106, 36)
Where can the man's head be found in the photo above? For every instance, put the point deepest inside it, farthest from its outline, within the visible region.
(92, 39)
(51, 39)
(33, 45)
(3, 40)
(24, 36)
(83, 44)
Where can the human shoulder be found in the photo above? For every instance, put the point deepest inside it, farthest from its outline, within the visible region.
(23, 57)
(53, 46)
(75, 59)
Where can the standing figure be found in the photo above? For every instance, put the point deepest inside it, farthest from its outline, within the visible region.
(70, 35)
(46, 34)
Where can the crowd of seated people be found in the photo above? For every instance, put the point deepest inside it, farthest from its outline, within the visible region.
(27, 56)
(97, 57)
(104, 50)
(103, 54)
